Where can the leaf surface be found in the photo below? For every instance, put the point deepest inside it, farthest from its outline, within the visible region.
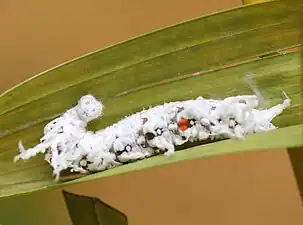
(207, 56)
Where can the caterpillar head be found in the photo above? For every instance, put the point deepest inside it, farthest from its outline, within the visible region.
(89, 108)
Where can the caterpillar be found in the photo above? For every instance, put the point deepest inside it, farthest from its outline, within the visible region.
(68, 145)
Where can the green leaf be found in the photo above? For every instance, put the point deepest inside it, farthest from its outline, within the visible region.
(207, 56)
(92, 211)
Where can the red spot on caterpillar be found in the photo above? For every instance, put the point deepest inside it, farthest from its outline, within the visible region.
(183, 124)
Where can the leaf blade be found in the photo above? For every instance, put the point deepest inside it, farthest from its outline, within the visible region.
(260, 36)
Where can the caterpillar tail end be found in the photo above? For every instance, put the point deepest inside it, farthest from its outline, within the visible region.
(21, 150)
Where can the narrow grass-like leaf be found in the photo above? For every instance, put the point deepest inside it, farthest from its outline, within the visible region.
(36, 173)
(207, 56)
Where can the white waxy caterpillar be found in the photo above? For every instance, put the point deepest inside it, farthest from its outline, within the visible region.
(68, 145)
